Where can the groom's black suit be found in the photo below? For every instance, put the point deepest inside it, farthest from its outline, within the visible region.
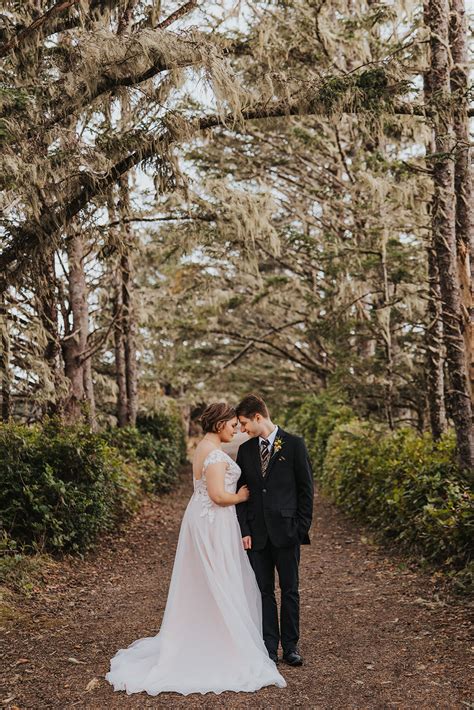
(277, 516)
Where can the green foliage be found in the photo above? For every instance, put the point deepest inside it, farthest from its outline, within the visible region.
(315, 419)
(370, 90)
(156, 461)
(463, 580)
(61, 486)
(331, 92)
(166, 427)
(404, 485)
(18, 571)
(10, 100)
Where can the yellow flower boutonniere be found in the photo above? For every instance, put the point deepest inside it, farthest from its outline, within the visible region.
(277, 444)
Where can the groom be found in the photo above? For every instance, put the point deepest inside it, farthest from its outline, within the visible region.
(275, 520)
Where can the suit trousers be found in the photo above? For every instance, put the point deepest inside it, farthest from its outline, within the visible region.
(286, 561)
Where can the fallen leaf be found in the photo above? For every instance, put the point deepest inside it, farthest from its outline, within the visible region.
(92, 684)
(74, 660)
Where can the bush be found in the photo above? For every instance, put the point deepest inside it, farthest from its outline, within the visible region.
(60, 486)
(315, 420)
(18, 571)
(166, 427)
(404, 485)
(155, 461)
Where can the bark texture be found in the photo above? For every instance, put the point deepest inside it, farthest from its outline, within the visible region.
(74, 345)
(434, 352)
(462, 177)
(444, 230)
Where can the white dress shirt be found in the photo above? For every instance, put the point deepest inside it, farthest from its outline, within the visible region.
(270, 438)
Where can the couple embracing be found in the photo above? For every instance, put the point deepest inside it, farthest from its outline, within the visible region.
(220, 630)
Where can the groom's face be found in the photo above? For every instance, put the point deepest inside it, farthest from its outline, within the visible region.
(251, 426)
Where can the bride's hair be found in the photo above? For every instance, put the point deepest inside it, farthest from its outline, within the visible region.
(215, 415)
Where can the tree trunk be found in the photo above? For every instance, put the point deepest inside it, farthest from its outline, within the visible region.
(89, 391)
(387, 336)
(5, 358)
(48, 312)
(462, 178)
(434, 354)
(118, 320)
(125, 327)
(130, 330)
(75, 342)
(128, 306)
(444, 237)
(119, 341)
(434, 329)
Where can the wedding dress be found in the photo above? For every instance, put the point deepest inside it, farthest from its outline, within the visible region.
(211, 634)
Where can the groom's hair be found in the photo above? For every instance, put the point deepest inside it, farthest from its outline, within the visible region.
(251, 405)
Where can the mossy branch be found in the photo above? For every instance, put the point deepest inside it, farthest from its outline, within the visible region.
(338, 98)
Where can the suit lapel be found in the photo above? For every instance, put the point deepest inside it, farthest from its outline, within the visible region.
(256, 458)
(275, 454)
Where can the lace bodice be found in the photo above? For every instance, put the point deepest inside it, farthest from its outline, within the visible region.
(232, 475)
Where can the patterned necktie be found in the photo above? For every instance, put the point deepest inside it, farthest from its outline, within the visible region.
(264, 455)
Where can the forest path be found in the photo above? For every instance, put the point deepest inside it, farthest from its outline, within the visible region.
(374, 635)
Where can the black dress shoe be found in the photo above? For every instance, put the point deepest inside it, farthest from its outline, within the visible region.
(293, 658)
(273, 656)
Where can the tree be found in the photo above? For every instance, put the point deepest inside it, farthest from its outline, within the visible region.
(322, 189)
(444, 229)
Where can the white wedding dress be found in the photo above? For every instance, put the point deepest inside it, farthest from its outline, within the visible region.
(211, 634)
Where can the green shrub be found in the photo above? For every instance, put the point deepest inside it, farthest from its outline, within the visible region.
(404, 485)
(315, 420)
(156, 461)
(60, 486)
(166, 427)
(18, 571)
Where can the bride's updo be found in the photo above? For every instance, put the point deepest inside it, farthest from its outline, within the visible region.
(215, 415)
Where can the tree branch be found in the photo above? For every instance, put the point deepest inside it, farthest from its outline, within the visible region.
(19, 38)
(319, 369)
(180, 12)
(31, 235)
(185, 54)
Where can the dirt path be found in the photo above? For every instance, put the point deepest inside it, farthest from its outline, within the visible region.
(374, 634)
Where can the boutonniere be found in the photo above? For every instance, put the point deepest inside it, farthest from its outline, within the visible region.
(277, 445)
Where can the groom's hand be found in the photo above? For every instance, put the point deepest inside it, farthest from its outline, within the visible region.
(247, 542)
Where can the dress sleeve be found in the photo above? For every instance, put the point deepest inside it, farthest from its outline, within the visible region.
(215, 456)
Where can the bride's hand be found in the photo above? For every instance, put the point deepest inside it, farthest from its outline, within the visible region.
(243, 494)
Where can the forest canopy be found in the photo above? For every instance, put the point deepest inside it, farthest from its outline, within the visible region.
(200, 200)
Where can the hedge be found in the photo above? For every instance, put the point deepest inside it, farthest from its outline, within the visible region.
(406, 487)
(62, 486)
(315, 419)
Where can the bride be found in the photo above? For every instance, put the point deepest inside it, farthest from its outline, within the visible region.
(210, 638)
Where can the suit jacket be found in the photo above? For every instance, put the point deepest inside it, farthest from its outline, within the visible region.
(281, 502)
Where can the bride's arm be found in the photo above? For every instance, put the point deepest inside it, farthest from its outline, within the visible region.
(215, 476)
